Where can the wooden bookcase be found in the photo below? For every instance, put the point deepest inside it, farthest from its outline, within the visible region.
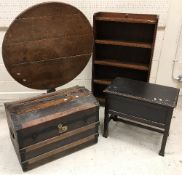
(123, 47)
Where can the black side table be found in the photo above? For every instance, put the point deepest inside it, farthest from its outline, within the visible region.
(142, 104)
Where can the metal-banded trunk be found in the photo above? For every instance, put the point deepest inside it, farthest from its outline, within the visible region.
(52, 125)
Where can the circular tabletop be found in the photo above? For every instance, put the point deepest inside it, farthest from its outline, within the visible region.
(47, 45)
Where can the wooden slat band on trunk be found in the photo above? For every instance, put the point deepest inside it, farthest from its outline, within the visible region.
(57, 115)
(44, 96)
(50, 103)
(51, 117)
(59, 138)
(59, 150)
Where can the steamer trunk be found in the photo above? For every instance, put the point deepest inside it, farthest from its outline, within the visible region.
(52, 125)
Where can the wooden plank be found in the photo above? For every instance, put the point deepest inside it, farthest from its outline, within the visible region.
(39, 98)
(61, 149)
(51, 49)
(32, 29)
(53, 146)
(27, 166)
(50, 103)
(144, 17)
(120, 64)
(124, 43)
(49, 74)
(57, 115)
(126, 19)
(59, 138)
(102, 81)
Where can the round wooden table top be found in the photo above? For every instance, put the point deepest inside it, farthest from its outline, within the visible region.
(47, 45)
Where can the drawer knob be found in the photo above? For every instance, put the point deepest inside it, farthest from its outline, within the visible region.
(62, 128)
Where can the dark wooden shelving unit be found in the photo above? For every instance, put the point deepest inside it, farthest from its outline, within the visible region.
(124, 45)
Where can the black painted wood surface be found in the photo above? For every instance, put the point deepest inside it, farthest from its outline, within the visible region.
(142, 104)
(153, 93)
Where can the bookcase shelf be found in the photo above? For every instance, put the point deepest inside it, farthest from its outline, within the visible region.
(102, 81)
(116, 63)
(124, 45)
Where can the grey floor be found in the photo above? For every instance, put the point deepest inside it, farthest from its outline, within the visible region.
(127, 151)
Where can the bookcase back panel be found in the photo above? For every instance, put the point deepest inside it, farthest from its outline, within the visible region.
(101, 72)
(123, 54)
(109, 30)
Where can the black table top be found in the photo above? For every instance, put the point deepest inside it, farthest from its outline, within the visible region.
(153, 93)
